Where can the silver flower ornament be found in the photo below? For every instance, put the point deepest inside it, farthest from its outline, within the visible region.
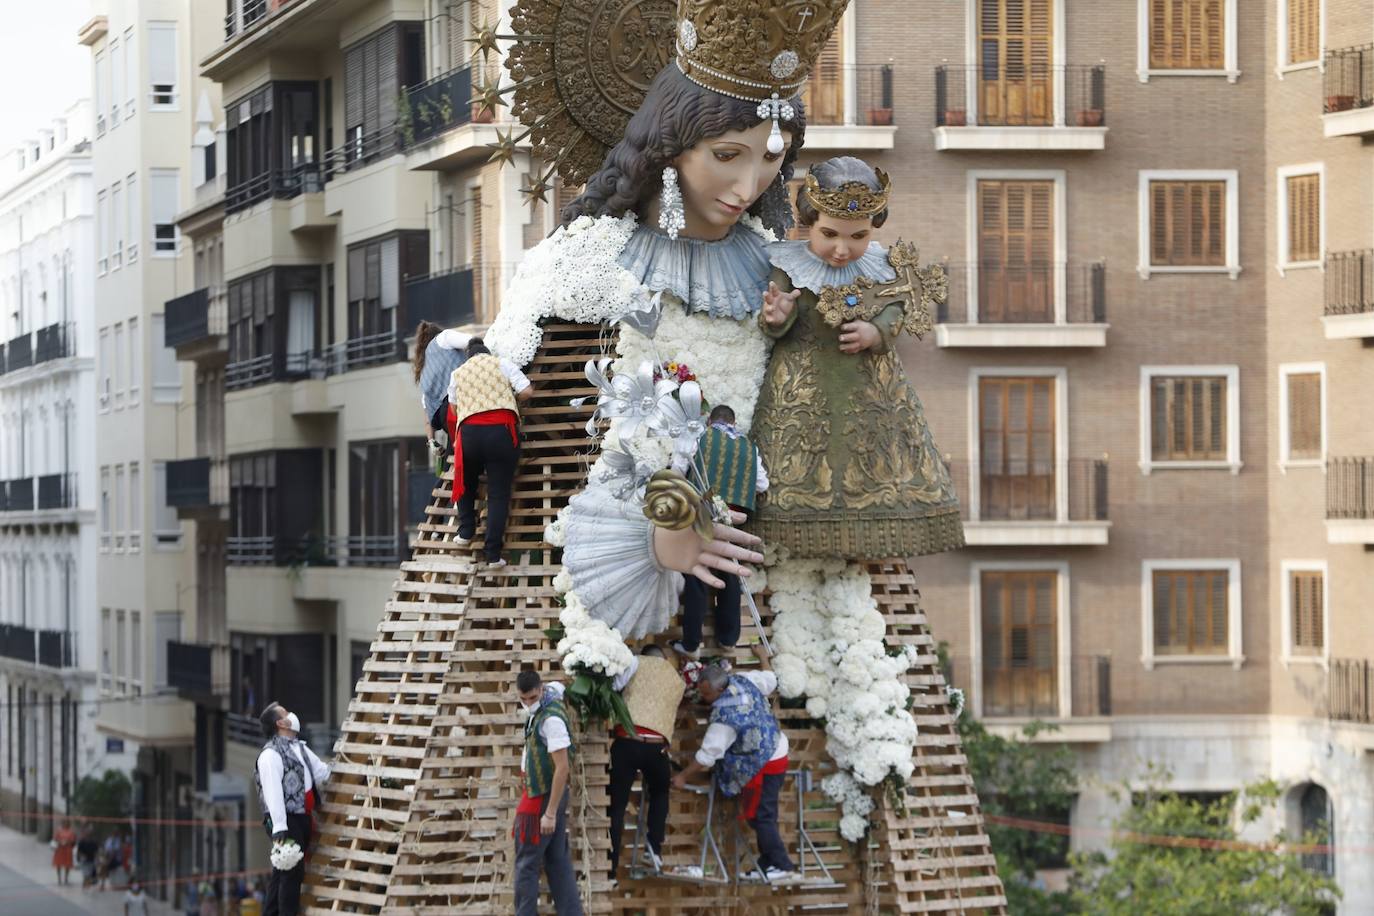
(681, 420)
(632, 398)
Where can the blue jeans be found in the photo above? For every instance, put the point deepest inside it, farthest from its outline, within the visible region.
(772, 851)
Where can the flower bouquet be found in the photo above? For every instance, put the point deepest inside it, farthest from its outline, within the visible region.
(286, 854)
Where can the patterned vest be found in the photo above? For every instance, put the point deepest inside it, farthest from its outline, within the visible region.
(292, 777)
(743, 707)
(439, 365)
(538, 760)
(731, 466)
(480, 386)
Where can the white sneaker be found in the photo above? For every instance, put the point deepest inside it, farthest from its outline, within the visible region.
(781, 875)
(753, 875)
(496, 564)
(651, 858)
(677, 646)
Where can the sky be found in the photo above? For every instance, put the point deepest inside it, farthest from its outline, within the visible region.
(42, 68)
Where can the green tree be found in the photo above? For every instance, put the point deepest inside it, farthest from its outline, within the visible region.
(1198, 879)
(107, 795)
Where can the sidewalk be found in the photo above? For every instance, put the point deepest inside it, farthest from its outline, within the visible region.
(28, 885)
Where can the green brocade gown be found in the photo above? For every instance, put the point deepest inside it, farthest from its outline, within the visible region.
(853, 469)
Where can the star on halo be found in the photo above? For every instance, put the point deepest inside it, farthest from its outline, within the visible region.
(484, 41)
(503, 150)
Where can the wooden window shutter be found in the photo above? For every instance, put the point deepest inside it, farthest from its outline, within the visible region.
(354, 87)
(1188, 419)
(798, 231)
(388, 85)
(1015, 47)
(1020, 642)
(1187, 223)
(1187, 34)
(1305, 602)
(1191, 612)
(823, 94)
(1304, 31)
(1016, 445)
(1304, 415)
(1304, 218)
(1016, 269)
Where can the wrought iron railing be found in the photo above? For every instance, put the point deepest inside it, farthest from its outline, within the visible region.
(825, 95)
(1028, 687)
(17, 495)
(1020, 96)
(996, 293)
(50, 648)
(282, 184)
(359, 149)
(56, 341)
(197, 483)
(1027, 490)
(200, 669)
(57, 491)
(243, 15)
(242, 729)
(19, 353)
(436, 106)
(274, 550)
(1349, 282)
(196, 316)
(358, 352)
(446, 298)
(1349, 79)
(1350, 488)
(248, 372)
(371, 550)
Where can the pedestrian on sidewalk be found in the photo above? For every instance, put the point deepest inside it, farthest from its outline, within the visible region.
(64, 847)
(87, 852)
(135, 899)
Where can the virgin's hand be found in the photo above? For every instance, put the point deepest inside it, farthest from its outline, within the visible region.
(858, 336)
(685, 552)
(777, 305)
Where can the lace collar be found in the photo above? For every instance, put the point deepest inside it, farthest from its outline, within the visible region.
(724, 278)
(807, 271)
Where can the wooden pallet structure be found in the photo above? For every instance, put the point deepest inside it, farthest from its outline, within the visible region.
(417, 814)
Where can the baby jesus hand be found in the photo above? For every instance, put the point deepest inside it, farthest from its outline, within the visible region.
(858, 336)
(777, 305)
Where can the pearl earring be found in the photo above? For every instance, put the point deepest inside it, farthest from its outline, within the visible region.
(671, 217)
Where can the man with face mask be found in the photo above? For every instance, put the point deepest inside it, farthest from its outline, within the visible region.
(287, 774)
(541, 818)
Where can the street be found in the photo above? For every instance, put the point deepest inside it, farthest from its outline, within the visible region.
(28, 884)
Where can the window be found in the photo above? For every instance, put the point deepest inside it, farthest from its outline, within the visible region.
(162, 64)
(163, 200)
(119, 365)
(106, 387)
(1315, 820)
(135, 507)
(1188, 222)
(116, 82)
(1302, 415)
(1304, 610)
(375, 70)
(1301, 227)
(166, 629)
(132, 218)
(1015, 62)
(135, 361)
(166, 525)
(1017, 239)
(106, 518)
(377, 271)
(374, 502)
(1192, 611)
(1019, 642)
(136, 651)
(166, 371)
(1190, 417)
(119, 495)
(1187, 38)
(121, 660)
(101, 93)
(102, 221)
(116, 227)
(106, 641)
(823, 95)
(130, 73)
(209, 168)
(1300, 33)
(1016, 448)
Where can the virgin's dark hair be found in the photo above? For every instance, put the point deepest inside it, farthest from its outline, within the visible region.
(832, 173)
(677, 114)
(425, 332)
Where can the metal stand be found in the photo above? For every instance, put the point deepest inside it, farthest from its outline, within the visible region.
(805, 844)
(709, 847)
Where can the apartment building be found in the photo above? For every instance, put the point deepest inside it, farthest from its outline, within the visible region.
(1155, 300)
(48, 617)
(148, 103)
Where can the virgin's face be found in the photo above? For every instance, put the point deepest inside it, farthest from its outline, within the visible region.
(722, 176)
(839, 241)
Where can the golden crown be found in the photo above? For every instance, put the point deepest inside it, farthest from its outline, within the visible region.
(851, 200)
(753, 49)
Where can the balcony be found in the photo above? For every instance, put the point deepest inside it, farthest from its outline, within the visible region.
(16, 495)
(1028, 505)
(19, 353)
(47, 648)
(198, 670)
(1025, 305)
(362, 149)
(242, 729)
(281, 184)
(198, 488)
(1350, 501)
(244, 15)
(1349, 295)
(437, 106)
(361, 352)
(850, 107)
(1348, 90)
(447, 298)
(57, 491)
(1007, 691)
(197, 324)
(272, 550)
(1350, 690)
(1043, 108)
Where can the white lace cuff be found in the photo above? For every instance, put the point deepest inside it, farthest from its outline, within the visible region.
(609, 553)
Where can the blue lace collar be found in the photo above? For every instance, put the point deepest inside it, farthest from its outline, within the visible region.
(724, 278)
(807, 271)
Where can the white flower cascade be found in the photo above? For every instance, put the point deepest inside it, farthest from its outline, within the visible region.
(828, 635)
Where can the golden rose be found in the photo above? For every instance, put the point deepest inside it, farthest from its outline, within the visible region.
(670, 501)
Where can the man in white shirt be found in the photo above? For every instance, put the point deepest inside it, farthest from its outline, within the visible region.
(541, 817)
(747, 749)
(287, 774)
